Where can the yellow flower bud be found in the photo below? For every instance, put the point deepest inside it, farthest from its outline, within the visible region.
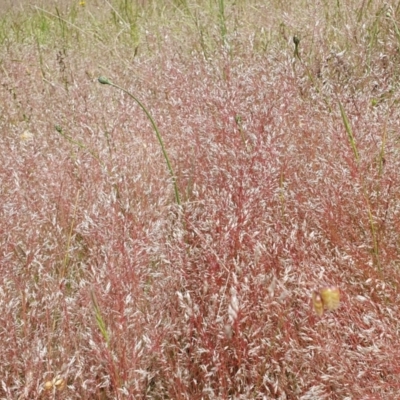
(330, 298)
(327, 298)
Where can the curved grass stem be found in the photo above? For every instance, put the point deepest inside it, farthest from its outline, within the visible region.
(105, 81)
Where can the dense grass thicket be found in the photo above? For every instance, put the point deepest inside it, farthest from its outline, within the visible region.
(281, 127)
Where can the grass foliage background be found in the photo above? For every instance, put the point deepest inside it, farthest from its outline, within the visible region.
(286, 165)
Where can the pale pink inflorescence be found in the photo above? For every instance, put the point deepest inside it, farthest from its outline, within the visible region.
(210, 300)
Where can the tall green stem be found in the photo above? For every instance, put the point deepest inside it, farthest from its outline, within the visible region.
(105, 81)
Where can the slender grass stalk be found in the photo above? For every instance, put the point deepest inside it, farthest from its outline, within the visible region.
(282, 194)
(296, 41)
(396, 29)
(91, 152)
(79, 144)
(353, 144)
(105, 81)
(99, 319)
(39, 50)
(381, 158)
(238, 120)
(349, 132)
(296, 56)
(66, 258)
(62, 24)
(67, 25)
(222, 20)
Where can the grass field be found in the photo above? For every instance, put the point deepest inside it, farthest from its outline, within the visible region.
(162, 236)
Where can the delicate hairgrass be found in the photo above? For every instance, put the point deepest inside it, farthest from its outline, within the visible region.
(105, 81)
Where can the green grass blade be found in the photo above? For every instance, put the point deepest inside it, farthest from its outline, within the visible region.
(99, 319)
(349, 131)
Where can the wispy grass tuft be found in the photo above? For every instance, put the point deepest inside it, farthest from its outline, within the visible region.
(281, 203)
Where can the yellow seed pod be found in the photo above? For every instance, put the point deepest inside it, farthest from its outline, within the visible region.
(318, 303)
(48, 385)
(330, 297)
(59, 383)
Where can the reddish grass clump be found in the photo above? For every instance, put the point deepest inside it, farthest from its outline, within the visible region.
(208, 276)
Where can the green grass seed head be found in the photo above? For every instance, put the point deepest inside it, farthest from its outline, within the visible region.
(103, 80)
